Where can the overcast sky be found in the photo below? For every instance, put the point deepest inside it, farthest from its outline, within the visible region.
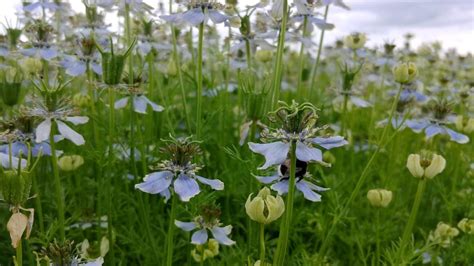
(450, 21)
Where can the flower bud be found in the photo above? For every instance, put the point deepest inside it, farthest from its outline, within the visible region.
(171, 68)
(467, 226)
(264, 55)
(264, 208)
(16, 226)
(329, 158)
(15, 187)
(355, 41)
(405, 72)
(70, 162)
(379, 197)
(426, 166)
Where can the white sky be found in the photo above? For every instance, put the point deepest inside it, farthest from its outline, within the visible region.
(450, 21)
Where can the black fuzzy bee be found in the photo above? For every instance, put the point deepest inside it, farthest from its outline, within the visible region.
(301, 167)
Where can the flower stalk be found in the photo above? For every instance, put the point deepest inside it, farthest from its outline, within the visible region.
(278, 69)
(170, 235)
(286, 222)
(57, 185)
(199, 82)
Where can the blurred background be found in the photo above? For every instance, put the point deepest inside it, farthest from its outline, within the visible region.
(448, 21)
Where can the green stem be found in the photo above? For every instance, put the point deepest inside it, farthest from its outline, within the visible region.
(314, 71)
(411, 220)
(262, 244)
(109, 179)
(169, 238)
(19, 253)
(278, 62)
(57, 184)
(302, 59)
(248, 54)
(180, 78)
(286, 223)
(377, 250)
(381, 144)
(199, 82)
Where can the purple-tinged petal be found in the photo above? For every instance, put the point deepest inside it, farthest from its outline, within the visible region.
(275, 153)
(281, 187)
(193, 16)
(308, 154)
(220, 234)
(77, 120)
(330, 142)
(156, 182)
(216, 16)
(457, 137)
(308, 193)
(360, 102)
(5, 161)
(213, 183)
(139, 104)
(186, 226)
(154, 106)
(121, 103)
(417, 125)
(186, 187)
(199, 237)
(433, 130)
(268, 179)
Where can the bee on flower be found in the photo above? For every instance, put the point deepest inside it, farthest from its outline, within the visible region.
(298, 121)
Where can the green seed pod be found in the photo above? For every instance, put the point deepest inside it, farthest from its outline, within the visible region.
(113, 64)
(15, 187)
(245, 25)
(10, 93)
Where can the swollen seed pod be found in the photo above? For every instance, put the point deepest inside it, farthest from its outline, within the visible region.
(264, 208)
(113, 64)
(379, 197)
(15, 187)
(405, 72)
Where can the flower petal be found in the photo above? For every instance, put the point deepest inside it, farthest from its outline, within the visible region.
(193, 16)
(186, 187)
(307, 154)
(330, 142)
(433, 130)
(43, 130)
(156, 182)
(199, 237)
(220, 234)
(308, 193)
(121, 103)
(267, 179)
(186, 226)
(70, 134)
(457, 137)
(216, 16)
(139, 104)
(275, 153)
(77, 120)
(281, 187)
(154, 106)
(213, 183)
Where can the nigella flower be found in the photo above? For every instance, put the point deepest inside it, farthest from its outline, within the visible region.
(54, 110)
(179, 173)
(436, 123)
(304, 9)
(200, 11)
(40, 35)
(410, 92)
(41, 4)
(85, 57)
(208, 220)
(139, 101)
(301, 132)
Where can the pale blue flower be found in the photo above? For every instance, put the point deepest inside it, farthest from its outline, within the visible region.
(184, 183)
(140, 104)
(433, 127)
(200, 236)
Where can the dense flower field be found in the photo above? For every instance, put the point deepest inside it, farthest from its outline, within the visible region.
(206, 133)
